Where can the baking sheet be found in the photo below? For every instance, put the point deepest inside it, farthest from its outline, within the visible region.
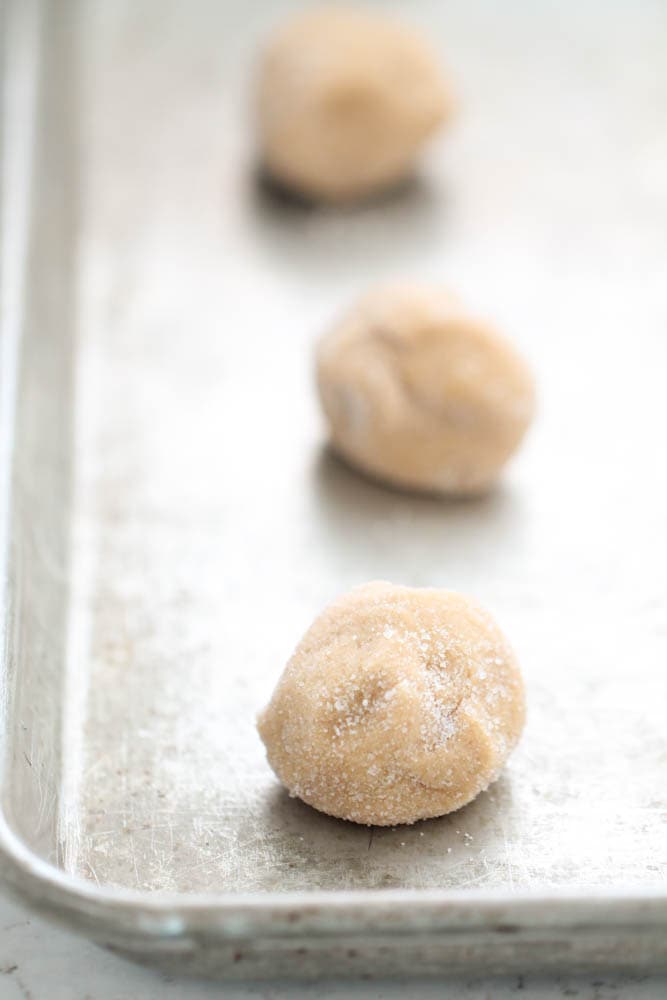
(209, 524)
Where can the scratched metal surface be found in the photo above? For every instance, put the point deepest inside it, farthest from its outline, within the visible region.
(209, 526)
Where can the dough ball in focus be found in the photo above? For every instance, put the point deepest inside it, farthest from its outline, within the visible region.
(420, 394)
(399, 704)
(346, 100)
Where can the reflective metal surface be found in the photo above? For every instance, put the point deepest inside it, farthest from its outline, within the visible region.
(177, 522)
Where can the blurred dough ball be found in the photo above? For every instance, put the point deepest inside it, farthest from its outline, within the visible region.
(420, 394)
(346, 100)
(399, 704)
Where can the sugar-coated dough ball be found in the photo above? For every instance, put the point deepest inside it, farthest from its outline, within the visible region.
(346, 100)
(420, 394)
(399, 704)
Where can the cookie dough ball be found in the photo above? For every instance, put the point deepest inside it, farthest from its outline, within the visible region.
(420, 394)
(346, 100)
(398, 705)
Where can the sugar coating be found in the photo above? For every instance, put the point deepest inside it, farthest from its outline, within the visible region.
(346, 100)
(421, 394)
(398, 704)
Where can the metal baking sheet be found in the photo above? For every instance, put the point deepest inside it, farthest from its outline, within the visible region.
(176, 521)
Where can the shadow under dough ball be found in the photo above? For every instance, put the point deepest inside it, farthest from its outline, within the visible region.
(418, 393)
(399, 704)
(346, 99)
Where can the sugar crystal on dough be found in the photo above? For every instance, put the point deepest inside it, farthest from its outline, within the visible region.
(398, 704)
